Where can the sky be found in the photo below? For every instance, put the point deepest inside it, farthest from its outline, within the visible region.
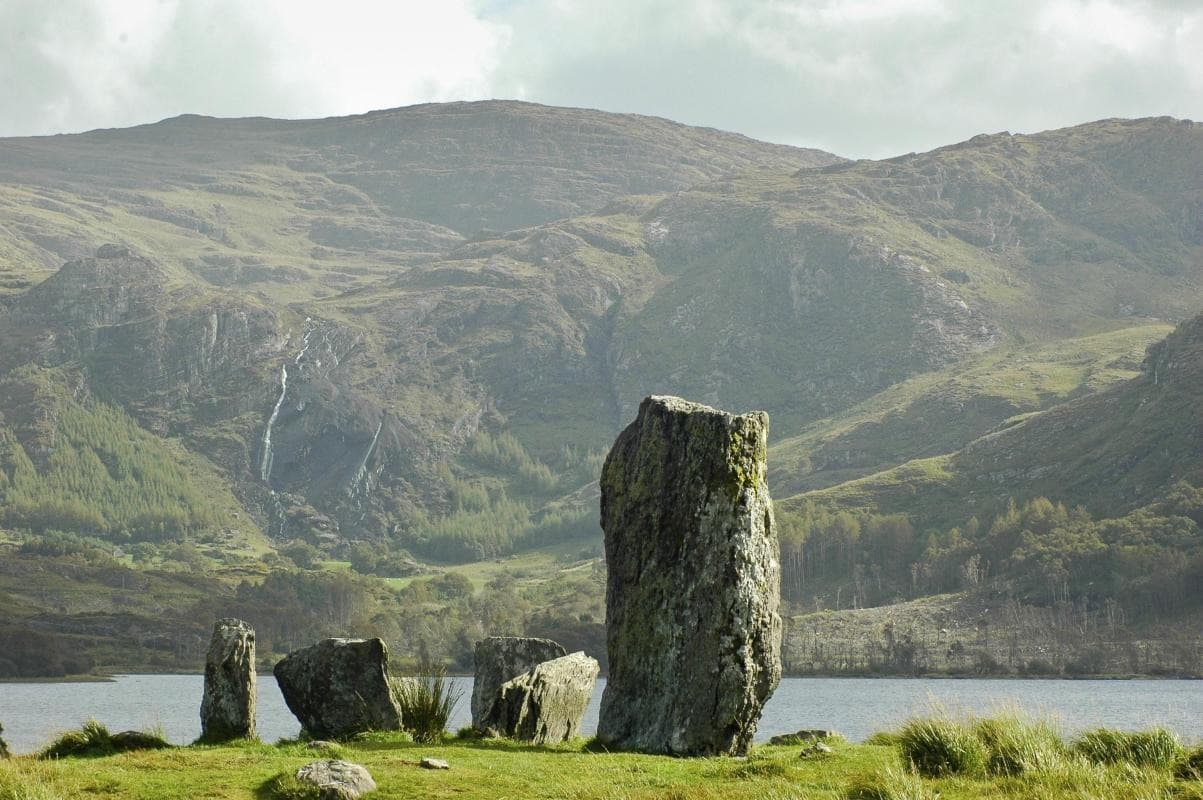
(862, 78)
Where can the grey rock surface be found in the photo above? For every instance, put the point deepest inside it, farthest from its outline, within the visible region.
(337, 780)
(3, 746)
(545, 705)
(339, 687)
(433, 763)
(798, 737)
(502, 658)
(693, 592)
(228, 705)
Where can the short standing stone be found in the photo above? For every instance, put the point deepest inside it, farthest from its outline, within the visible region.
(3, 746)
(499, 659)
(692, 599)
(228, 705)
(339, 687)
(337, 780)
(546, 704)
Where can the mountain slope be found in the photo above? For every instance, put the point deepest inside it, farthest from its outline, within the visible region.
(1111, 451)
(301, 208)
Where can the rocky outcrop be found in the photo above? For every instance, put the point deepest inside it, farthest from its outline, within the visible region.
(694, 633)
(336, 780)
(339, 687)
(544, 705)
(500, 659)
(228, 706)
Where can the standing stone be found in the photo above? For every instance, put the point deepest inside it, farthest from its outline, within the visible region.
(228, 706)
(3, 746)
(545, 705)
(339, 687)
(693, 595)
(499, 659)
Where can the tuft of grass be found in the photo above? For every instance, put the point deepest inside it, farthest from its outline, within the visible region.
(427, 700)
(888, 784)
(285, 786)
(1190, 766)
(93, 740)
(939, 746)
(1017, 746)
(1157, 748)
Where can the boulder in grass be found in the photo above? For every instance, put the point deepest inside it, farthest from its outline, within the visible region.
(336, 780)
(339, 687)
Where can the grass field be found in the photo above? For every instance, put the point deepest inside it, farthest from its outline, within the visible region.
(499, 769)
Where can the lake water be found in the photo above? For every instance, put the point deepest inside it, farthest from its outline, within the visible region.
(32, 713)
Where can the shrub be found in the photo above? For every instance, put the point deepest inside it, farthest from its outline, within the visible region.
(1017, 746)
(1190, 766)
(889, 784)
(94, 740)
(1155, 748)
(426, 701)
(939, 746)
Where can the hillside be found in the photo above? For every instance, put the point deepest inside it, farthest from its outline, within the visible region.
(405, 340)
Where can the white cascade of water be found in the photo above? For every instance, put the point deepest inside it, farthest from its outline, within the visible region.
(363, 464)
(265, 464)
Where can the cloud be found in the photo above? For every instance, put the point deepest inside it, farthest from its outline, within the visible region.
(859, 77)
(79, 64)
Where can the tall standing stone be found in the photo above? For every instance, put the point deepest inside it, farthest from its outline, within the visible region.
(500, 659)
(228, 705)
(693, 596)
(339, 687)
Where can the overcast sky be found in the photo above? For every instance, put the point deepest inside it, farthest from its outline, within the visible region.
(866, 78)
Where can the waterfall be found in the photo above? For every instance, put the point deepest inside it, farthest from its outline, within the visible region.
(363, 464)
(265, 465)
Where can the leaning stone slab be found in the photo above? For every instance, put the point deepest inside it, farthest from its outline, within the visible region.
(502, 658)
(339, 687)
(692, 599)
(228, 704)
(337, 780)
(546, 704)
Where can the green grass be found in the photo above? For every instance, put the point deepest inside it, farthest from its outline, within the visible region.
(497, 768)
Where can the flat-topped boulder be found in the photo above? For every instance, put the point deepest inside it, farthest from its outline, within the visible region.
(228, 704)
(339, 687)
(500, 659)
(544, 705)
(333, 779)
(692, 598)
